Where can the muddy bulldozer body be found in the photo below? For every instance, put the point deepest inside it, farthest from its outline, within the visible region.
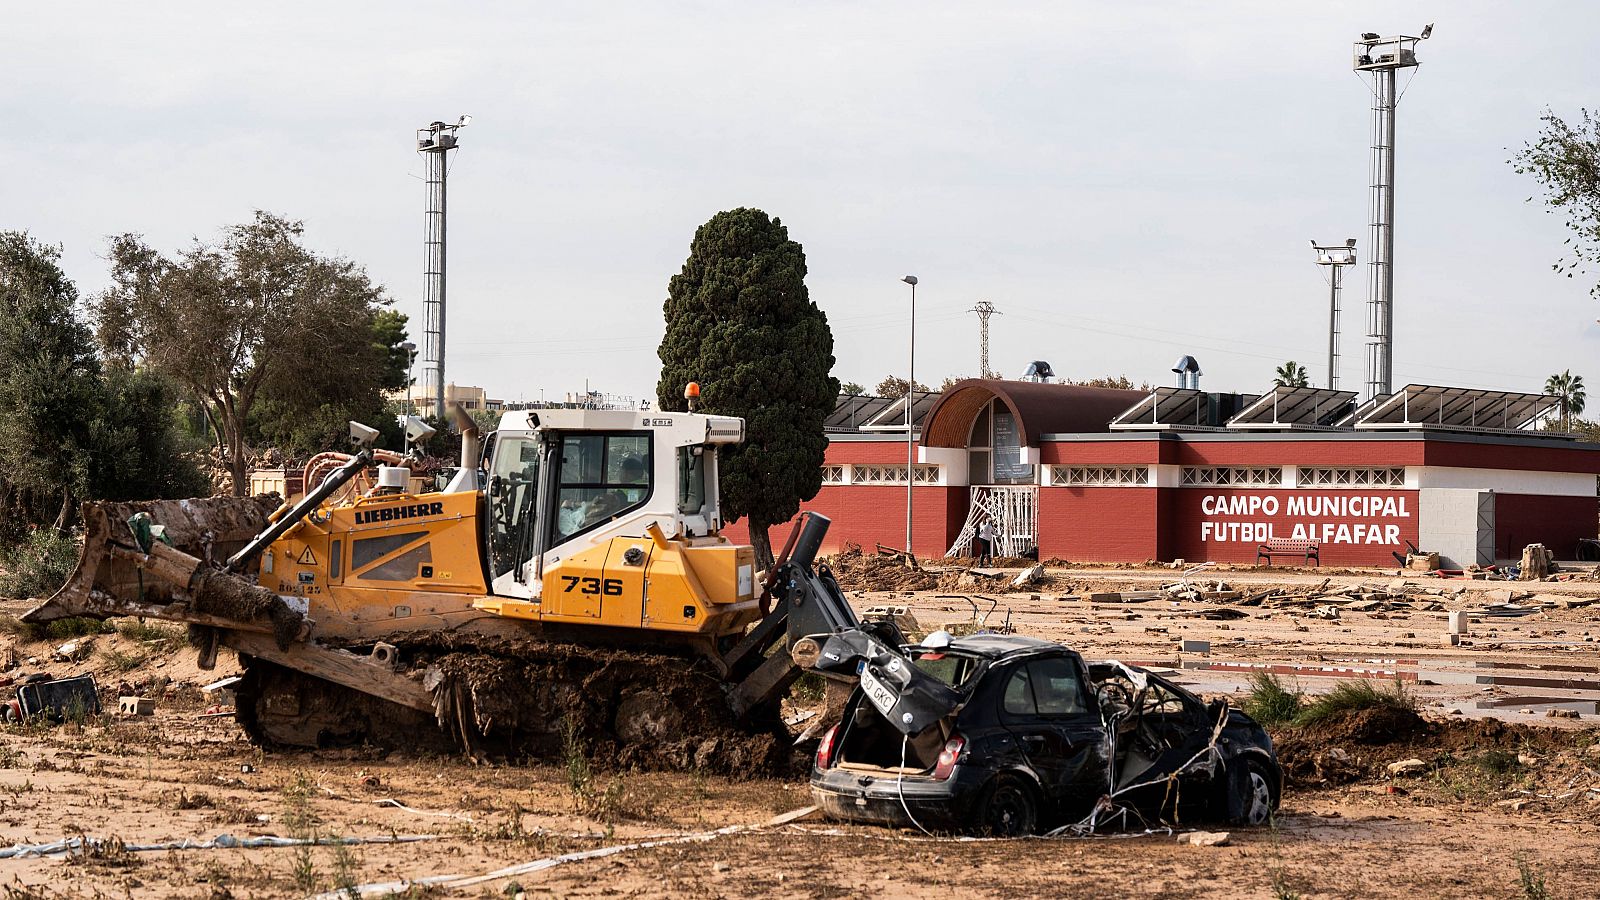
(573, 584)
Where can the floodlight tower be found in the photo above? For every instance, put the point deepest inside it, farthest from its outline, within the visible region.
(434, 142)
(984, 309)
(1382, 58)
(1335, 257)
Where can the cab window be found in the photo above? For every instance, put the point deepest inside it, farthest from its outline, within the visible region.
(513, 489)
(691, 480)
(601, 477)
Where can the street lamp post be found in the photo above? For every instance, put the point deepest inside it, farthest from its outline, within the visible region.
(911, 384)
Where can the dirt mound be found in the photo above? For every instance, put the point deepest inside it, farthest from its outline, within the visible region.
(1334, 751)
(1374, 726)
(1496, 734)
(1356, 745)
(858, 571)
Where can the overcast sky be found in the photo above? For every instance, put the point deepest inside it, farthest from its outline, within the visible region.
(1126, 181)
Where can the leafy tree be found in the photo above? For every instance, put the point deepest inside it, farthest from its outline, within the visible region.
(1567, 388)
(388, 333)
(142, 450)
(49, 379)
(1120, 382)
(851, 387)
(893, 386)
(69, 427)
(1565, 161)
(1290, 374)
(257, 316)
(741, 323)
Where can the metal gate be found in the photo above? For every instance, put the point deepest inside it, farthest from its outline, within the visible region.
(1013, 513)
(1485, 528)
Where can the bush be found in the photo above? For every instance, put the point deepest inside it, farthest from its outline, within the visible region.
(1269, 702)
(38, 566)
(149, 632)
(1351, 696)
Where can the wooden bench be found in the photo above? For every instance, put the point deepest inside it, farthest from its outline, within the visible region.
(1309, 550)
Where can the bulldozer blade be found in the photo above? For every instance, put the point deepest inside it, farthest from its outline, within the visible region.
(108, 577)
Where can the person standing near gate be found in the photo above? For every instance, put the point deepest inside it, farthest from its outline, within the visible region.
(985, 544)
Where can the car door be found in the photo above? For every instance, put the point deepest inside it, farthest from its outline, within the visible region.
(1045, 705)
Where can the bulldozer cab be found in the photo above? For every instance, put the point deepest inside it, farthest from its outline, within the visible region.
(562, 482)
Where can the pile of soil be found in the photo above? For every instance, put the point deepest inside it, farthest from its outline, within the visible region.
(1337, 750)
(858, 571)
(1357, 745)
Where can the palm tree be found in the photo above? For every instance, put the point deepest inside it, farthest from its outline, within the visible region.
(1290, 374)
(1567, 388)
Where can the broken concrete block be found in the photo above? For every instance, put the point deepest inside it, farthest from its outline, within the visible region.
(1422, 562)
(1029, 575)
(1193, 646)
(136, 706)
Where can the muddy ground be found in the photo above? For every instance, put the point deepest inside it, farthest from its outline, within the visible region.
(1505, 801)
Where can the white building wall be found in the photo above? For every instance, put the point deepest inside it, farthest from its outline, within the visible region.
(1504, 481)
(1449, 524)
(952, 463)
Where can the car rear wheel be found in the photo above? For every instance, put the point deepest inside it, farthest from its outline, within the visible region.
(1008, 808)
(1256, 800)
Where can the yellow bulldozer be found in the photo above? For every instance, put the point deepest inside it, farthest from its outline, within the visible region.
(571, 578)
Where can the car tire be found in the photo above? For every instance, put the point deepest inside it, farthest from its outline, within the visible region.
(1258, 799)
(1008, 808)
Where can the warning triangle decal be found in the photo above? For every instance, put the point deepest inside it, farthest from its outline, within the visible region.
(307, 559)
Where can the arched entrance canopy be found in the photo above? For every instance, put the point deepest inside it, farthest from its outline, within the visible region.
(1039, 409)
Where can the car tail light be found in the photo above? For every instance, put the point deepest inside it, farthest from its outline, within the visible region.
(949, 756)
(825, 748)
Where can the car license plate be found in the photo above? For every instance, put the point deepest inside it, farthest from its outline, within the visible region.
(877, 691)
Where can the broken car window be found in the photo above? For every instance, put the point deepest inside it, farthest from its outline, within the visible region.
(953, 669)
(1019, 694)
(1056, 689)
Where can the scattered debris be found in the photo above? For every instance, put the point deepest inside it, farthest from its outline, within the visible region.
(136, 706)
(1407, 767)
(1029, 576)
(1204, 838)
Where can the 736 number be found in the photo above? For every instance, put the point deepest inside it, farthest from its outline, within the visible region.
(611, 587)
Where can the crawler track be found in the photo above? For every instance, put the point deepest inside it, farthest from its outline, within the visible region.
(515, 700)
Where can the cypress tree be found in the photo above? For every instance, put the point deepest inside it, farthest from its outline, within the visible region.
(741, 323)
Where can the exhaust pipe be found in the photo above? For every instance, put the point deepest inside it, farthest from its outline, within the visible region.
(811, 535)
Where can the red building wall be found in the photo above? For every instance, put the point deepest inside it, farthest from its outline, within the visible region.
(1098, 524)
(876, 514)
(1230, 525)
(1353, 454)
(1556, 522)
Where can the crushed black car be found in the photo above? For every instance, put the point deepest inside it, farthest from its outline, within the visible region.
(1009, 735)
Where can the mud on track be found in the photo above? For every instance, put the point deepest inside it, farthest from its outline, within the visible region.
(624, 709)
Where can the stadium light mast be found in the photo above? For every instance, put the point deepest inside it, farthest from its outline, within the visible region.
(1335, 257)
(434, 142)
(1382, 58)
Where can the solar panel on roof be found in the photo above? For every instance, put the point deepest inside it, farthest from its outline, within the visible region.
(1454, 409)
(1296, 408)
(893, 413)
(1168, 409)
